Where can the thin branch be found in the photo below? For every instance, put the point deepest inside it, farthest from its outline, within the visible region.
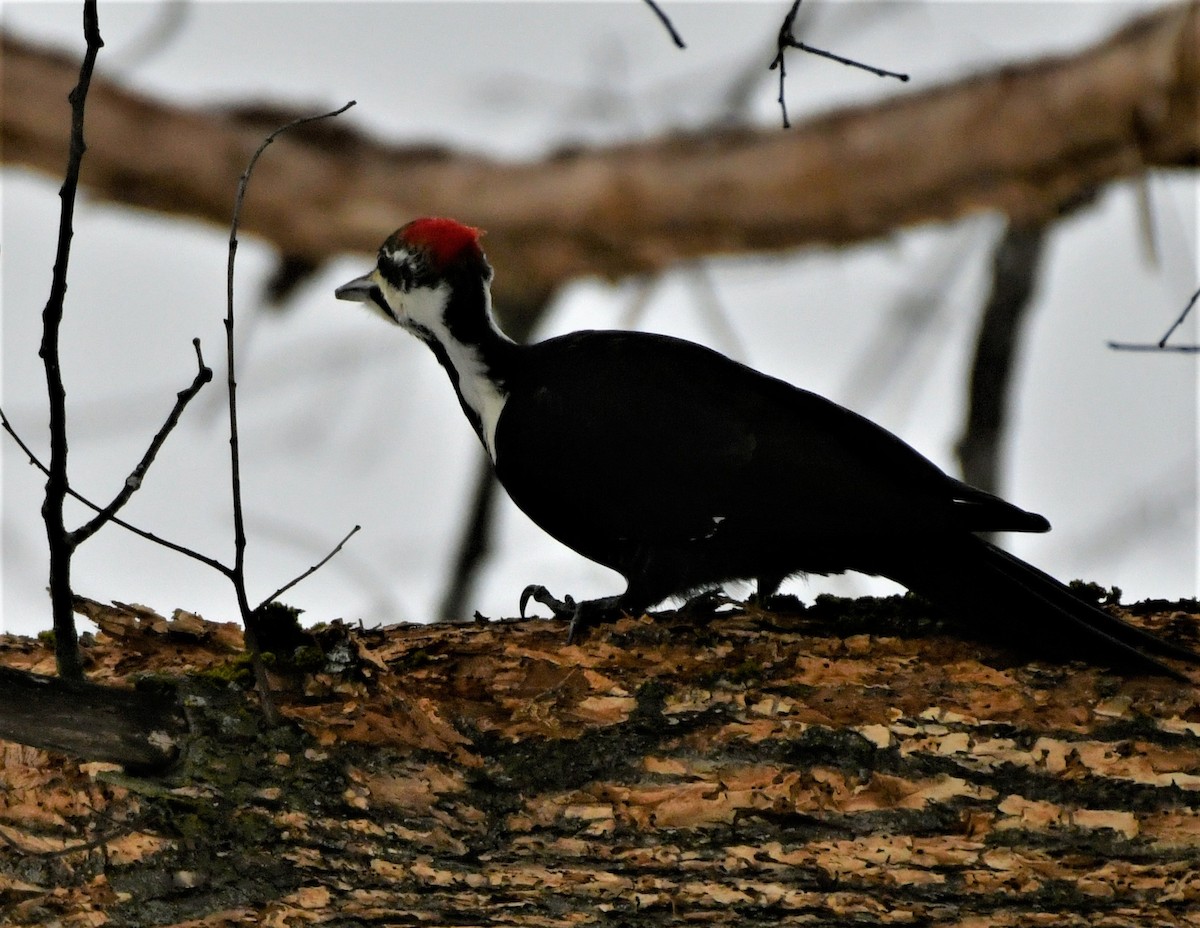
(66, 643)
(239, 526)
(308, 573)
(116, 520)
(1153, 346)
(788, 40)
(79, 848)
(238, 575)
(666, 21)
(134, 481)
(1162, 342)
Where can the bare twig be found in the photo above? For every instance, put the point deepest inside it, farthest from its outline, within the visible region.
(308, 573)
(62, 546)
(238, 576)
(1162, 345)
(63, 543)
(81, 847)
(116, 520)
(134, 481)
(239, 526)
(666, 21)
(1136, 346)
(787, 39)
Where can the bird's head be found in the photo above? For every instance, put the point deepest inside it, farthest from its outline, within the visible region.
(420, 269)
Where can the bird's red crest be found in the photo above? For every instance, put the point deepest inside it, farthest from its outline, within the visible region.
(444, 240)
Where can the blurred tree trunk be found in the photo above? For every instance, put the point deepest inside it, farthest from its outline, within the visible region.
(836, 767)
(1015, 265)
(1028, 141)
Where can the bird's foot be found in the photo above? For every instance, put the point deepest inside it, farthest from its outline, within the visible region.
(704, 606)
(580, 616)
(562, 608)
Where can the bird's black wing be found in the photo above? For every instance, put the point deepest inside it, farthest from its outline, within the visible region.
(621, 435)
(629, 435)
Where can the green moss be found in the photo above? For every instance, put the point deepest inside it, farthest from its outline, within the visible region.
(1096, 594)
(308, 659)
(278, 628)
(238, 671)
(212, 807)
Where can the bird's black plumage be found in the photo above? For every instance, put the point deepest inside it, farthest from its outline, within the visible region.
(682, 469)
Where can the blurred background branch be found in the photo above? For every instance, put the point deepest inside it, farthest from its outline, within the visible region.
(1027, 140)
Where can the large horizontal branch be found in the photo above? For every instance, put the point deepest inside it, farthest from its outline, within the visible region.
(853, 763)
(1026, 140)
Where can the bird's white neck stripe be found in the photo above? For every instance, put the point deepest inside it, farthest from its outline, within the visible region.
(478, 391)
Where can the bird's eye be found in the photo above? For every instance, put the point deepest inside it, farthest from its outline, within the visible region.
(397, 273)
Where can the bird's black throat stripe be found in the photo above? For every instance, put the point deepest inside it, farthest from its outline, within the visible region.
(376, 296)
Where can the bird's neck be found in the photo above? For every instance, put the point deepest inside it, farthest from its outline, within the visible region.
(478, 357)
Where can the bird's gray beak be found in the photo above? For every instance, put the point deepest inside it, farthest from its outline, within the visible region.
(357, 290)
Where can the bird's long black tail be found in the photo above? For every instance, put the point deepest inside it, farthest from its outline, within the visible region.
(1012, 601)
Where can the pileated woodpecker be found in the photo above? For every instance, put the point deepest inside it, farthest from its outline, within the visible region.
(681, 469)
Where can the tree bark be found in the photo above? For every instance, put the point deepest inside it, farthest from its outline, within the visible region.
(851, 763)
(1028, 141)
(122, 726)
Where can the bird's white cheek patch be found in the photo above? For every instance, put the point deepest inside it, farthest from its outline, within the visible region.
(422, 311)
(422, 307)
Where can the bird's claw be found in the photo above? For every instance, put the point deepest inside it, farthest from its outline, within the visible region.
(705, 605)
(564, 608)
(592, 612)
(579, 615)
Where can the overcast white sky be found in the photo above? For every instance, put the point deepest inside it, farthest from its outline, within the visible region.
(345, 421)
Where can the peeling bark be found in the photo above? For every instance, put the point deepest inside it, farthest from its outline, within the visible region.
(849, 763)
(122, 726)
